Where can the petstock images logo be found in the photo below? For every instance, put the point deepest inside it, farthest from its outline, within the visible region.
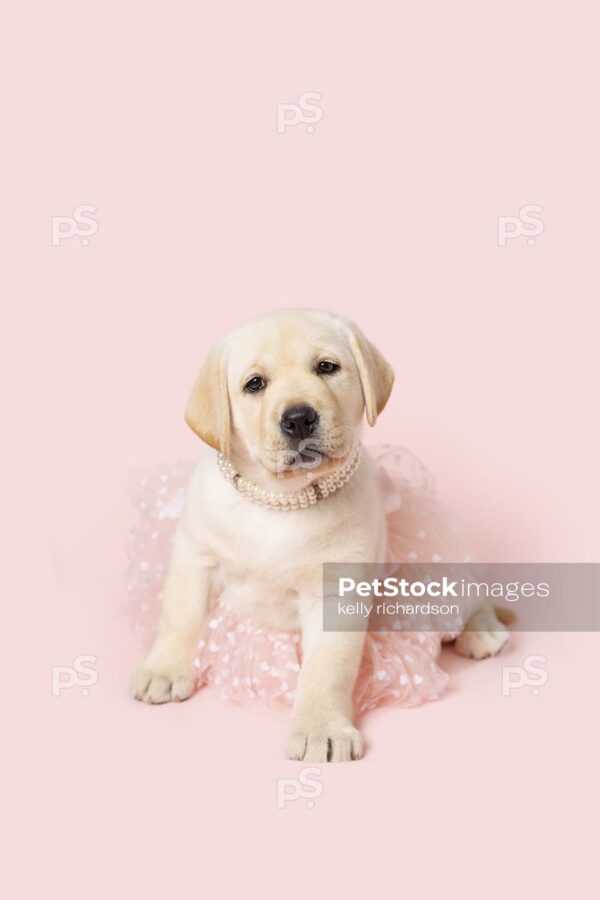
(443, 596)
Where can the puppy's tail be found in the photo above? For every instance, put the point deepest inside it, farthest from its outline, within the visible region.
(505, 615)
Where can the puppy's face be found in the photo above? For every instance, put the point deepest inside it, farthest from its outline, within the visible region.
(289, 389)
(295, 393)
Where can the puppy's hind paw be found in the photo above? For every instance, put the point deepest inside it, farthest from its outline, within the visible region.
(481, 644)
(484, 635)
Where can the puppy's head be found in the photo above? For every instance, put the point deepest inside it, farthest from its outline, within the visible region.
(289, 389)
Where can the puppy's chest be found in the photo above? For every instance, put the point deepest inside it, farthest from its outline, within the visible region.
(272, 546)
(257, 594)
(270, 561)
(260, 570)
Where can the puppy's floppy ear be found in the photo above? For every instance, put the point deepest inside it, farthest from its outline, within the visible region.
(376, 374)
(207, 412)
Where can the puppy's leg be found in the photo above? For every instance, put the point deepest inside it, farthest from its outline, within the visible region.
(168, 672)
(322, 728)
(483, 636)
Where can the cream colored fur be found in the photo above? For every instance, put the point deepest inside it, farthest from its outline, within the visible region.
(264, 563)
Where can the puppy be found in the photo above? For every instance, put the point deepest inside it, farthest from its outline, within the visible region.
(282, 400)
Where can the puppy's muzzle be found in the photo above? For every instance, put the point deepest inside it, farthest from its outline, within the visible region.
(299, 422)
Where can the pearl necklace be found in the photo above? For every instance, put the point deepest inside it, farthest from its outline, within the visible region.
(310, 495)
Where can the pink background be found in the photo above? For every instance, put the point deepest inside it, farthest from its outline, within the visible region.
(438, 118)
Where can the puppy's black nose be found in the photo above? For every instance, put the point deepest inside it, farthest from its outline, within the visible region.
(299, 421)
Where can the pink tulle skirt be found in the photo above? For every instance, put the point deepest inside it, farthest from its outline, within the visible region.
(245, 662)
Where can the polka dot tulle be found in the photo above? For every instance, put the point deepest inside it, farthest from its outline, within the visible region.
(245, 662)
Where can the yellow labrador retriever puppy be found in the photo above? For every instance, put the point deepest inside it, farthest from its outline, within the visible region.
(281, 402)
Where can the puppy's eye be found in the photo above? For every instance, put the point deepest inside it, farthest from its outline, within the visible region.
(255, 385)
(326, 367)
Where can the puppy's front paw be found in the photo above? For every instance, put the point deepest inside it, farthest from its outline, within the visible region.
(154, 685)
(336, 741)
(481, 644)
